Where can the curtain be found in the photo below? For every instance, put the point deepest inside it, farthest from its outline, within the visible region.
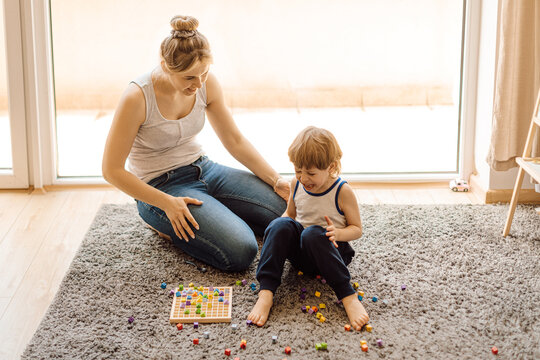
(517, 81)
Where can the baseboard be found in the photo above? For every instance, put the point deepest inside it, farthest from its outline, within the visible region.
(477, 189)
(526, 196)
(492, 196)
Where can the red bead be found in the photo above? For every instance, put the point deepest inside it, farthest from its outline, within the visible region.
(288, 350)
(228, 352)
(196, 341)
(179, 326)
(494, 350)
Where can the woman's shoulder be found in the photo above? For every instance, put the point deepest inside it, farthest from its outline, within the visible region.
(132, 104)
(133, 94)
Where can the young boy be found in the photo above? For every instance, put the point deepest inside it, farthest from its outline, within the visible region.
(322, 216)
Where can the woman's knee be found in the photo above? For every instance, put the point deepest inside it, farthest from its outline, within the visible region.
(240, 253)
(155, 218)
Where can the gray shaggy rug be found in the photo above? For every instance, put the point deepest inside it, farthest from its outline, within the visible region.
(467, 289)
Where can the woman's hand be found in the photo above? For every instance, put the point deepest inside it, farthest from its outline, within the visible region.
(282, 187)
(179, 215)
(331, 231)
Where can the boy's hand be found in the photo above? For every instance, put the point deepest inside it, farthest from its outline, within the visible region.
(331, 231)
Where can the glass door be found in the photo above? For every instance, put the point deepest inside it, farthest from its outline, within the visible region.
(13, 152)
(386, 79)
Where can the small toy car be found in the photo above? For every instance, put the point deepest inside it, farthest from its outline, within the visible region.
(459, 185)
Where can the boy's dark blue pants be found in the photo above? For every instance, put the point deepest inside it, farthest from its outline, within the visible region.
(308, 250)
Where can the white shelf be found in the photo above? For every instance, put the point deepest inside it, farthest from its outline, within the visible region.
(531, 167)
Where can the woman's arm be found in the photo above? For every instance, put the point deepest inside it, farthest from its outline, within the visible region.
(129, 116)
(348, 204)
(236, 144)
(291, 207)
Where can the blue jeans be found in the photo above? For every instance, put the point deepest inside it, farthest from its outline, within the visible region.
(237, 205)
(308, 250)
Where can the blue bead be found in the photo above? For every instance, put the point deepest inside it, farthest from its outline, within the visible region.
(374, 299)
(360, 297)
(163, 285)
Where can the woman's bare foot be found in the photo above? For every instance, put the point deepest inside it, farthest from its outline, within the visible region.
(358, 316)
(161, 235)
(259, 313)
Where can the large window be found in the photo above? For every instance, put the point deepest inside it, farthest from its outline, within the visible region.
(384, 76)
(6, 162)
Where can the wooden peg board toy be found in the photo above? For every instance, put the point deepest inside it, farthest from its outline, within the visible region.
(214, 305)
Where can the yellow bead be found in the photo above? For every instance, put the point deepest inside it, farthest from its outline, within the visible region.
(361, 293)
(300, 273)
(317, 294)
(322, 319)
(322, 306)
(363, 342)
(369, 328)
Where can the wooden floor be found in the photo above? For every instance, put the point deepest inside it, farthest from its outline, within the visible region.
(40, 234)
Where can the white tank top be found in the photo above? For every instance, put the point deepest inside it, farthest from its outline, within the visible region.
(162, 145)
(311, 207)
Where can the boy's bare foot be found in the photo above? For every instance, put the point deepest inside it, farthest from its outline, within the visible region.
(358, 316)
(259, 313)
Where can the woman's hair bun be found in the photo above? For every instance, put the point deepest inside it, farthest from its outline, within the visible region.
(184, 23)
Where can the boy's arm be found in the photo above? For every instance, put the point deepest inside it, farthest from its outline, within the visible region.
(348, 204)
(291, 208)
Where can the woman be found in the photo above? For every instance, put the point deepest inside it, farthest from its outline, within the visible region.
(208, 210)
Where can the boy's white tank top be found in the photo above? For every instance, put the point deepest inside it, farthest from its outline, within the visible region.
(311, 207)
(162, 145)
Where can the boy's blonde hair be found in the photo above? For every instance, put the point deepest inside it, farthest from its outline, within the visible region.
(316, 147)
(185, 46)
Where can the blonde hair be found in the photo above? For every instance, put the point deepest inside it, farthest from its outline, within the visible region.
(316, 147)
(185, 46)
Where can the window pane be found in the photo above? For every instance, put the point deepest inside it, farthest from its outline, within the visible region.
(384, 76)
(6, 162)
